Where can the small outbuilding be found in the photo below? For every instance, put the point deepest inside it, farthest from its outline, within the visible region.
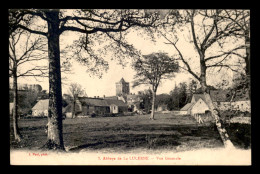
(40, 109)
(67, 111)
(117, 106)
(186, 110)
(197, 105)
(98, 106)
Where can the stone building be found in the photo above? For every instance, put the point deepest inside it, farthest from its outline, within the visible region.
(100, 106)
(221, 99)
(40, 109)
(122, 88)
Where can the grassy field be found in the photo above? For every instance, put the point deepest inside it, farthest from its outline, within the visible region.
(168, 131)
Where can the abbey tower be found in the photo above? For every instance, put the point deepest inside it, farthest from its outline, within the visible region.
(122, 88)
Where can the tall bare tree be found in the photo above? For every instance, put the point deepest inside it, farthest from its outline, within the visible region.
(75, 90)
(109, 23)
(241, 18)
(24, 50)
(212, 35)
(151, 69)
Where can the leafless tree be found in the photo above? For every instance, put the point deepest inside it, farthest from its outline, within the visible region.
(212, 33)
(23, 52)
(241, 18)
(75, 90)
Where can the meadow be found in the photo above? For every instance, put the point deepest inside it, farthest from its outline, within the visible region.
(122, 133)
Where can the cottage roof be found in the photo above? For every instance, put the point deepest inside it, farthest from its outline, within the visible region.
(111, 97)
(101, 101)
(241, 97)
(220, 95)
(41, 105)
(187, 106)
(69, 108)
(115, 102)
(93, 101)
(198, 96)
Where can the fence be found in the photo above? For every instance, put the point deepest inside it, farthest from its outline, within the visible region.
(202, 117)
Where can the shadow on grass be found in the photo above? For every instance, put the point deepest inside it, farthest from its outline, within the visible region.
(131, 141)
(130, 136)
(167, 137)
(240, 134)
(32, 128)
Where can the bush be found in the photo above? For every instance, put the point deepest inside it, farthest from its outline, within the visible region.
(93, 115)
(229, 114)
(128, 113)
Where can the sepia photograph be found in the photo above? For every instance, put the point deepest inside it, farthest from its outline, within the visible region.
(129, 87)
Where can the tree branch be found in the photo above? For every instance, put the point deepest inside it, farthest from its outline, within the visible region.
(220, 65)
(32, 31)
(193, 32)
(225, 53)
(181, 56)
(209, 34)
(30, 72)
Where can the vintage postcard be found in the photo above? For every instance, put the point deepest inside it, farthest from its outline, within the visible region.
(129, 87)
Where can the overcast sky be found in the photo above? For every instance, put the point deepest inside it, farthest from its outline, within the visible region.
(95, 86)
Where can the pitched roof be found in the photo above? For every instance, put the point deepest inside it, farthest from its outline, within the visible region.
(242, 96)
(92, 101)
(111, 97)
(220, 95)
(101, 101)
(115, 102)
(122, 80)
(187, 106)
(69, 107)
(198, 96)
(41, 105)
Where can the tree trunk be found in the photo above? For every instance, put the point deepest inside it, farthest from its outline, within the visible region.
(73, 109)
(221, 129)
(203, 69)
(17, 135)
(215, 113)
(153, 104)
(55, 136)
(247, 59)
(203, 82)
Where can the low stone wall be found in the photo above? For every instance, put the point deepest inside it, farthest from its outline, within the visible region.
(237, 105)
(242, 120)
(180, 112)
